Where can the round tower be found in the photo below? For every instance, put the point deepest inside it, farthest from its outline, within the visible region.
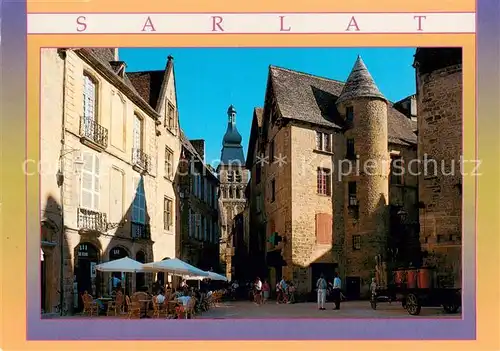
(365, 111)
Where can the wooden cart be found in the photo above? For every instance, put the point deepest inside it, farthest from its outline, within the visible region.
(416, 288)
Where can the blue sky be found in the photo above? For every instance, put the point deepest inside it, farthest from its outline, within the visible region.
(210, 79)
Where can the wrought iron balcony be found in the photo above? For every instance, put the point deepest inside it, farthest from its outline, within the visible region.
(93, 134)
(140, 231)
(140, 160)
(91, 220)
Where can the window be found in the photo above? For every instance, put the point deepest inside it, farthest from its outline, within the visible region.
(324, 181)
(231, 193)
(238, 177)
(138, 132)
(190, 223)
(349, 115)
(167, 213)
(396, 177)
(258, 204)
(203, 186)
(90, 194)
(139, 203)
(273, 190)
(350, 152)
(356, 242)
(258, 172)
(205, 229)
(271, 151)
(170, 116)
(238, 193)
(194, 183)
(89, 98)
(208, 198)
(323, 141)
(169, 163)
(351, 189)
(230, 176)
(440, 239)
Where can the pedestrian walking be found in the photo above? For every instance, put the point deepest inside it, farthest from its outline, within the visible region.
(337, 285)
(321, 288)
(258, 291)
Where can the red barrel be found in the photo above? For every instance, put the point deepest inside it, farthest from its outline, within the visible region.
(398, 277)
(424, 279)
(411, 278)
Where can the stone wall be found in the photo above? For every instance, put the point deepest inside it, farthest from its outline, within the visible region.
(307, 204)
(439, 99)
(370, 172)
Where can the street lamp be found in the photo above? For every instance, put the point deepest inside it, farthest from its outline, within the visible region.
(60, 182)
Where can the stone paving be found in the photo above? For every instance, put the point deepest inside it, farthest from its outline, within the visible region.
(351, 309)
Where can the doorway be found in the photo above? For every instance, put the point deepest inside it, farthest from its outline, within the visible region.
(87, 258)
(118, 279)
(140, 278)
(353, 288)
(43, 287)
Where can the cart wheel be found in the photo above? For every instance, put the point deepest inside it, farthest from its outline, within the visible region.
(413, 305)
(453, 308)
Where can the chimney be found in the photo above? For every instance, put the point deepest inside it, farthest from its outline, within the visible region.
(115, 52)
(199, 145)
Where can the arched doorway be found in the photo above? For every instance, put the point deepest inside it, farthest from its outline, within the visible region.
(140, 278)
(86, 276)
(118, 279)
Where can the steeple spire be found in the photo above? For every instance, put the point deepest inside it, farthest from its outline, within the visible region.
(232, 151)
(359, 84)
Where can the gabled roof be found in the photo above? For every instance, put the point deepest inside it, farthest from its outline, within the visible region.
(256, 124)
(312, 99)
(152, 85)
(191, 149)
(148, 84)
(101, 59)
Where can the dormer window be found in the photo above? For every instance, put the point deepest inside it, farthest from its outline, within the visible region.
(238, 177)
(230, 176)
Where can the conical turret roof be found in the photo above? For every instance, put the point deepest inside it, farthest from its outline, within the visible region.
(359, 84)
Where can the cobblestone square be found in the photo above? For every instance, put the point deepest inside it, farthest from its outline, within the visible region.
(351, 309)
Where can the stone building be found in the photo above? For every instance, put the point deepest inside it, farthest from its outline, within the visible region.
(321, 159)
(198, 188)
(233, 178)
(109, 150)
(439, 106)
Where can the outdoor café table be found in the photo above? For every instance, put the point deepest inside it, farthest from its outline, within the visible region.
(146, 308)
(104, 301)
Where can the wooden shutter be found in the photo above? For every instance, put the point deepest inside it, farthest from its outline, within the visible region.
(324, 225)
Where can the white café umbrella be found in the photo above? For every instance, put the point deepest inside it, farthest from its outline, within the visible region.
(122, 265)
(175, 266)
(211, 276)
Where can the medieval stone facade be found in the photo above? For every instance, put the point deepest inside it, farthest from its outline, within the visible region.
(109, 150)
(439, 106)
(332, 162)
(198, 188)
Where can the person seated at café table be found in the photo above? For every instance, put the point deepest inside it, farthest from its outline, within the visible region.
(160, 298)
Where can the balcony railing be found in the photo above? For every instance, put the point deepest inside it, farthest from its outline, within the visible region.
(93, 132)
(141, 231)
(92, 220)
(141, 160)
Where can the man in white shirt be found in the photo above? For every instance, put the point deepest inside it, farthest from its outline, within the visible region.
(337, 285)
(258, 291)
